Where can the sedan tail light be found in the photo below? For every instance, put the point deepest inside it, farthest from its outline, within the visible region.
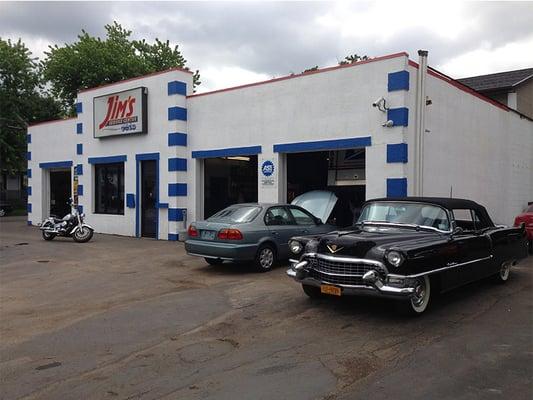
(230, 234)
(192, 232)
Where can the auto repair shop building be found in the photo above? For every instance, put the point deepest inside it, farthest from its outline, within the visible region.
(145, 156)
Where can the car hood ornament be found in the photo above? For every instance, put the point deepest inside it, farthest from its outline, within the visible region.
(333, 248)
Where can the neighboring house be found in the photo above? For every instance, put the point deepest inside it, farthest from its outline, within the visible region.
(12, 189)
(512, 88)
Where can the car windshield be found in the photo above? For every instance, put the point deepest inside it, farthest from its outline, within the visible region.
(236, 214)
(419, 214)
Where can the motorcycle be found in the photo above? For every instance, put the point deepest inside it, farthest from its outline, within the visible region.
(71, 225)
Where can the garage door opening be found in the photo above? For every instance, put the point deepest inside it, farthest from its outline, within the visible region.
(229, 180)
(340, 171)
(60, 192)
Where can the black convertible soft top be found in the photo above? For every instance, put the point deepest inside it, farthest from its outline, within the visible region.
(448, 203)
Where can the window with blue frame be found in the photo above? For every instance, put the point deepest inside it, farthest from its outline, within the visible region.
(109, 188)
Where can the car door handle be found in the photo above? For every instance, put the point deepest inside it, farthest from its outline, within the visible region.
(274, 232)
(305, 231)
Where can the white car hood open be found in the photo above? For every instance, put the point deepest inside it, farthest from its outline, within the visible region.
(320, 203)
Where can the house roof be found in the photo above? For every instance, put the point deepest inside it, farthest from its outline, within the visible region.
(498, 81)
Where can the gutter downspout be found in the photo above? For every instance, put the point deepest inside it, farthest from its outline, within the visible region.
(420, 122)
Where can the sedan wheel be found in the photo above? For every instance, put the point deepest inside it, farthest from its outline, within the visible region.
(265, 258)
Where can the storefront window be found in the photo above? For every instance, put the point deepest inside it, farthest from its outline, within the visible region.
(109, 187)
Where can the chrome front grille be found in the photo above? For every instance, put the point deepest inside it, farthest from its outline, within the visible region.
(342, 270)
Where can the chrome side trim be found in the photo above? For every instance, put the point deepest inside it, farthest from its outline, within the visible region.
(433, 271)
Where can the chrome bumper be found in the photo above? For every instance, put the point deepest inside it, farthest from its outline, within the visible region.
(374, 284)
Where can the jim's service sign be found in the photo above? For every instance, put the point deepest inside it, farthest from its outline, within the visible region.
(121, 113)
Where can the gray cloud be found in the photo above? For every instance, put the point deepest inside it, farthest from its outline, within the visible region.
(268, 38)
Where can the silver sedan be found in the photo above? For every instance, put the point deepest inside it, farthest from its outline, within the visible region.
(255, 232)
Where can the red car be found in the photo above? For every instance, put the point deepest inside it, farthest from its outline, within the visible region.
(527, 218)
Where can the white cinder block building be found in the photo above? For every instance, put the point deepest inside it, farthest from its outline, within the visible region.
(146, 156)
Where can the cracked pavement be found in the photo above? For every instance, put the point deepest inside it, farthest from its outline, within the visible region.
(125, 318)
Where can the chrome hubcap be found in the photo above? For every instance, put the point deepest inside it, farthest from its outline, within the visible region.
(266, 258)
(504, 271)
(83, 233)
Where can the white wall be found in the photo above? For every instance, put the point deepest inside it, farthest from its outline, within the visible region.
(57, 142)
(483, 151)
(335, 104)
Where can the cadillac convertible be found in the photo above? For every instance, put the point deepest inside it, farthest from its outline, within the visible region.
(407, 249)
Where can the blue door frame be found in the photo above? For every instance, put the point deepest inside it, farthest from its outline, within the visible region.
(138, 159)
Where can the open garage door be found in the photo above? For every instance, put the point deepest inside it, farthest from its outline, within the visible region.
(60, 192)
(339, 171)
(229, 180)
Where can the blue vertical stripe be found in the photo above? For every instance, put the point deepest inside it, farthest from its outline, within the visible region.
(28, 173)
(397, 153)
(177, 113)
(177, 139)
(177, 87)
(29, 208)
(177, 189)
(79, 108)
(400, 116)
(79, 148)
(80, 190)
(79, 169)
(396, 187)
(398, 81)
(28, 190)
(28, 156)
(28, 138)
(177, 164)
(79, 128)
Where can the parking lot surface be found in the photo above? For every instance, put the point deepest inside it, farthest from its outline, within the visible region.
(126, 318)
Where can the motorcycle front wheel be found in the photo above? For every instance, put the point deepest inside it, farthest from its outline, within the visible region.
(48, 235)
(83, 235)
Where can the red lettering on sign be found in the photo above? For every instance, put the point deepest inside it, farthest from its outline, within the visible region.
(110, 103)
(131, 102)
(121, 109)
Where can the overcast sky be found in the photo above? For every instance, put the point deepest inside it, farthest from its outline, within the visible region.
(242, 42)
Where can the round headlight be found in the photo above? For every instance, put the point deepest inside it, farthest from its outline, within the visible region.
(295, 246)
(394, 258)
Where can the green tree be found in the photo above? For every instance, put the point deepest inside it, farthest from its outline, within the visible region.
(22, 101)
(92, 61)
(352, 58)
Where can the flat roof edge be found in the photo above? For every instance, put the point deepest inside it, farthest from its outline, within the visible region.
(294, 76)
(52, 121)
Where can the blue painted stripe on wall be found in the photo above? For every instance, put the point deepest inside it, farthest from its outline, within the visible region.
(107, 160)
(79, 169)
(80, 190)
(162, 205)
(177, 113)
(147, 156)
(29, 223)
(177, 164)
(28, 173)
(28, 190)
(177, 139)
(176, 214)
(79, 148)
(397, 153)
(173, 237)
(396, 187)
(177, 87)
(177, 189)
(29, 208)
(398, 81)
(79, 128)
(28, 138)
(55, 164)
(28, 156)
(130, 200)
(400, 116)
(79, 108)
(229, 152)
(80, 208)
(323, 145)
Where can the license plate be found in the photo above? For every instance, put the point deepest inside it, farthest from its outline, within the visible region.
(328, 289)
(208, 235)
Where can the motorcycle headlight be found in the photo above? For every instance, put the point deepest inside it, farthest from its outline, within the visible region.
(395, 258)
(295, 246)
(82, 215)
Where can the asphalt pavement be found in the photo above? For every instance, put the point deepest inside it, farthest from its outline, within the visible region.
(126, 318)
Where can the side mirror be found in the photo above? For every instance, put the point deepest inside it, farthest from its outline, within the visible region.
(457, 231)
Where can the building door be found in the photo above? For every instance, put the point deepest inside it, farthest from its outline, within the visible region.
(149, 198)
(60, 192)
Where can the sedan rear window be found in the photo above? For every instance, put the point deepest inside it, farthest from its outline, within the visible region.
(236, 214)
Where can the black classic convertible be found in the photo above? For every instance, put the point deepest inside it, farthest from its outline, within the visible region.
(408, 249)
